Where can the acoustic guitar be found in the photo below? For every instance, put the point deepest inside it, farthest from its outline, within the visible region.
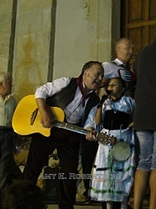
(27, 120)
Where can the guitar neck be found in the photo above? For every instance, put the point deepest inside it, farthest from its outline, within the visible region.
(101, 137)
(71, 127)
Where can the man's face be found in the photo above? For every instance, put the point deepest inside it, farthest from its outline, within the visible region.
(125, 50)
(5, 87)
(93, 76)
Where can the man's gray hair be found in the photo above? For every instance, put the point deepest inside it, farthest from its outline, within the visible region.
(4, 76)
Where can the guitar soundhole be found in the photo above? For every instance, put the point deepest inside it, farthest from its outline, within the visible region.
(33, 116)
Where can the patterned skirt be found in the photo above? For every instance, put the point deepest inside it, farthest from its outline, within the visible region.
(112, 179)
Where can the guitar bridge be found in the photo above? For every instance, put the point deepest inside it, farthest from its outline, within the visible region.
(33, 116)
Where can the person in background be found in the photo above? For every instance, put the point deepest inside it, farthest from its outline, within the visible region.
(113, 171)
(22, 195)
(76, 96)
(120, 66)
(8, 167)
(145, 126)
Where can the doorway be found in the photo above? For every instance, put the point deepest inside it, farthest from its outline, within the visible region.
(138, 22)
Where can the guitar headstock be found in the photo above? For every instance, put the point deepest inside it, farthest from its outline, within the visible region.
(104, 138)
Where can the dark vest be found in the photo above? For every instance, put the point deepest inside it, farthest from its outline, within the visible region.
(66, 95)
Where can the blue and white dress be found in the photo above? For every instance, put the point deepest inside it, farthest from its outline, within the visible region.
(112, 179)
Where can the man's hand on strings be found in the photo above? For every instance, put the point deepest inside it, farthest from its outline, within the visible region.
(91, 135)
(47, 118)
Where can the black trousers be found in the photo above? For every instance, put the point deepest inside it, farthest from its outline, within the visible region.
(67, 144)
(88, 153)
(8, 167)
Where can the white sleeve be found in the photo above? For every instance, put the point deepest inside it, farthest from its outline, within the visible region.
(110, 70)
(90, 122)
(52, 88)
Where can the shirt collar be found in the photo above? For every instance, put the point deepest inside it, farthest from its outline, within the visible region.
(7, 97)
(119, 62)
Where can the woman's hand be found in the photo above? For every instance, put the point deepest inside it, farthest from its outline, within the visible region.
(131, 125)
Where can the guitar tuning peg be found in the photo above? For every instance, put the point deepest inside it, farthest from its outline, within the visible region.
(105, 138)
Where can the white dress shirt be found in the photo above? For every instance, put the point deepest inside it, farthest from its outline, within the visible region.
(111, 70)
(7, 107)
(74, 111)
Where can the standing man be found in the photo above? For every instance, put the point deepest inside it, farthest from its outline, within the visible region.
(7, 135)
(119, 67)
(145, 125)
(76, 96)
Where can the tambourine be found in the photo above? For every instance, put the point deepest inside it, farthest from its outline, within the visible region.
(121, 151)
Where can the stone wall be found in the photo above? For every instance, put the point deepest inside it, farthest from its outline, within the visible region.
(41, 40)
(5, 32)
